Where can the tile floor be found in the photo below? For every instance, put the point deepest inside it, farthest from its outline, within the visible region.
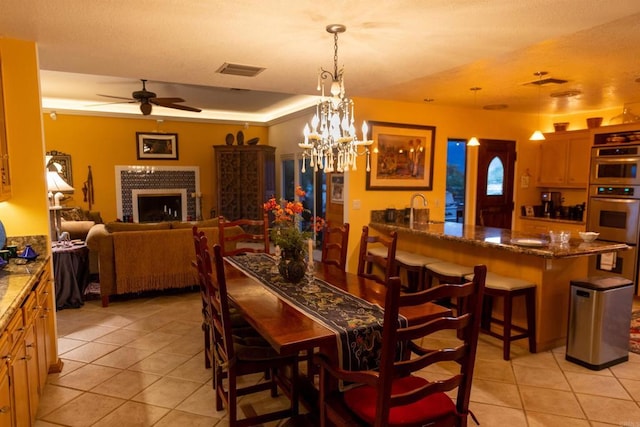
(140, 363)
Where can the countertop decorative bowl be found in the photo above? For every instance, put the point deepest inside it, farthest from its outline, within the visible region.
(588, 236)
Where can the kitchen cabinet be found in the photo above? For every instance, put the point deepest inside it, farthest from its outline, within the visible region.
(5, 394)
(245, 177)
(27, 353)
(564, 159)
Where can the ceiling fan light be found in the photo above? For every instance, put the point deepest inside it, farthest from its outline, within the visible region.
(537, 136)
(145, 107)
(473, 142)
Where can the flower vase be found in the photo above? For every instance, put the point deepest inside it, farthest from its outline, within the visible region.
(292, 267)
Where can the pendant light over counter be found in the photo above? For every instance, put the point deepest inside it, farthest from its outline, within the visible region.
(473, 141)
(537, 134)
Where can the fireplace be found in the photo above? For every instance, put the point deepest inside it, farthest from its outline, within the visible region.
(148, 193)
(159, 205)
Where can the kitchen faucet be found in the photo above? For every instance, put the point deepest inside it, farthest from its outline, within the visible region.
(424, 203)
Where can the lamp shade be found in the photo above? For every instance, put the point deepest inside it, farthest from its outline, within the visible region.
(473, 142)
(55, 182)
(537, 136)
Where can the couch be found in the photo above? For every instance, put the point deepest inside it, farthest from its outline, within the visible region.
(146, 257)
(77, 222)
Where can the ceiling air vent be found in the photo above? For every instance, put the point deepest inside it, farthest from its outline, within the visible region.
(547, 81)
(240, 70)
(495, 107)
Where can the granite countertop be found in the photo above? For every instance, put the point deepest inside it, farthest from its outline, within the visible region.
(18, 277)
(503, 239)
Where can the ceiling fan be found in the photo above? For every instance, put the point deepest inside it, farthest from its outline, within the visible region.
(147, 99)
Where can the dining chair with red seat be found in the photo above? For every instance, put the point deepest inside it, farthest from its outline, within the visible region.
(377, 251)
(239, 356)
(253, 237)
(335, 241)
(398, 393)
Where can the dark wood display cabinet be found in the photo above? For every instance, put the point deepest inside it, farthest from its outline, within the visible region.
(245, 177)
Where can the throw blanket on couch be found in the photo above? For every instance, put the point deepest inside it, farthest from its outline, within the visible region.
(158, 271)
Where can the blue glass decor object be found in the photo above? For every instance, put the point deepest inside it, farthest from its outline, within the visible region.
(28, 253)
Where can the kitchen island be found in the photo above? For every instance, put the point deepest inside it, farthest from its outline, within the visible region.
(510, 253)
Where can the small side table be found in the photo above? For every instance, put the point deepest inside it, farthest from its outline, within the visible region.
(71, 274)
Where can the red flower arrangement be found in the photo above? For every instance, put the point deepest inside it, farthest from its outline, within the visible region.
(288, 215)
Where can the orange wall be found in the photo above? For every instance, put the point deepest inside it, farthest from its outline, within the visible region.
(26, 213)
(104, 142)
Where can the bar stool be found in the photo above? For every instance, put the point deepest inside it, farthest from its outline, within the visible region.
(508, 288)
(414, 264)
(446, 272)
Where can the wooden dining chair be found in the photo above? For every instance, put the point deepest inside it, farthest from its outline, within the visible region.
(377, 252)
(335, 241)
(241, 327)
(248, 236)
(398, 393)
(202, 266)
(238, 356)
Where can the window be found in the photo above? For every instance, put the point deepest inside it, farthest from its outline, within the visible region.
(495, 178)
(456, 167)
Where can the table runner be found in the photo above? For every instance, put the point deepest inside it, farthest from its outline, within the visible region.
(357, 323)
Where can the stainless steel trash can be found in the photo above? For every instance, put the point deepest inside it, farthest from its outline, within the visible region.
(599, 321)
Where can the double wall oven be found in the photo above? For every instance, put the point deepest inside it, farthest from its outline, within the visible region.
(614, 207)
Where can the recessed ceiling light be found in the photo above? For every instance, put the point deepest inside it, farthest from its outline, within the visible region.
(495, 107)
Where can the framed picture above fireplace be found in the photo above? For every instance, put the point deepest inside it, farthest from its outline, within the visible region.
(157, 146)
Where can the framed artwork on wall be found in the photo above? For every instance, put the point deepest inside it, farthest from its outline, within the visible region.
(157, 146)
(402, 157)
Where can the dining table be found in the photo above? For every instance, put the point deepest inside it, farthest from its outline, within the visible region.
(291, 328)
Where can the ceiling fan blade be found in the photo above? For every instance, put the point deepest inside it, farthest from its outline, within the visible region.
(160, 101)
(171, 103)
(118, 97)
(181, 107)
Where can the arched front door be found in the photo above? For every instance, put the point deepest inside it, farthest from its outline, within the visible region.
(494, 200)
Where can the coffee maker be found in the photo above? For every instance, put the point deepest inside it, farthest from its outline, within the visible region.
(551, 202)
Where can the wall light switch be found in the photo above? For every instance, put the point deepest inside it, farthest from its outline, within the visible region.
(357, 204)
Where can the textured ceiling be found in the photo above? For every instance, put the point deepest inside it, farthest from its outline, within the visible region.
(405, 50)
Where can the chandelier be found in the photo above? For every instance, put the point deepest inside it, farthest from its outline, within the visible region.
(330, 141)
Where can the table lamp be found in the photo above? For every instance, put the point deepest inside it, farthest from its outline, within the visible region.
(56, 185)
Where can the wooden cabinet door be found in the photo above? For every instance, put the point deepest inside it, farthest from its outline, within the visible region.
(18, 371)
(31, 361)
(5, 397)
(578, 162)
(6, 404)
(245, 179)
(553, 161)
